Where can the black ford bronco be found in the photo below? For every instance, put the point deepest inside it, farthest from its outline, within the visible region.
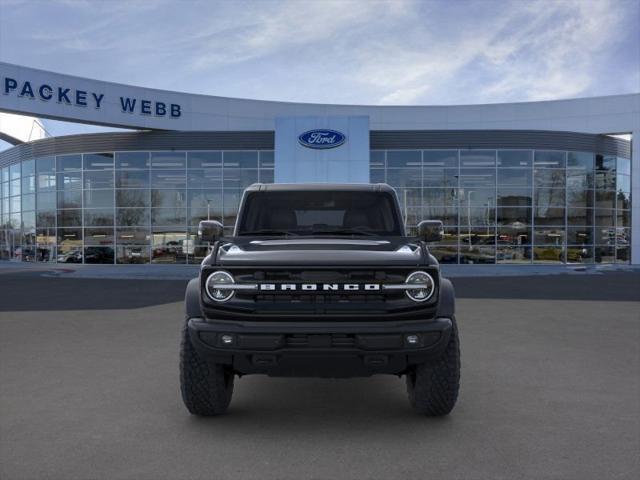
(319, 280)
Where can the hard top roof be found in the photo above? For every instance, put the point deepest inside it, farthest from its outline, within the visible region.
(315, 187)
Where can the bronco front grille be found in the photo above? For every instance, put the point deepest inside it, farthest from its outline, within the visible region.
(319, 302)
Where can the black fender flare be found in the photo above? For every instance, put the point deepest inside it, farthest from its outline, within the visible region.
(192, 299)
(446, 299)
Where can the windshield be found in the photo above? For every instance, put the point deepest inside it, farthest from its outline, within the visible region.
(319, 213)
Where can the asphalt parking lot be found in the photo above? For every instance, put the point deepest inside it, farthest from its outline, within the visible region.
(550, 389)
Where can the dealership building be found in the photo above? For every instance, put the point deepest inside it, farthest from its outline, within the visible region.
(514, 183)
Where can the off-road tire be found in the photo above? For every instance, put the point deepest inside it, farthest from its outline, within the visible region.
(206, 387)
(433, 386)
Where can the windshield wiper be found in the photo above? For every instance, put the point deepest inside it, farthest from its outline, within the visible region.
(268, 231)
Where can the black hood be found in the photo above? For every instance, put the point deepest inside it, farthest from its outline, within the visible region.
(396, 251)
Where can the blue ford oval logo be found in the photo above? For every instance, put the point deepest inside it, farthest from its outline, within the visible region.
(322, 138)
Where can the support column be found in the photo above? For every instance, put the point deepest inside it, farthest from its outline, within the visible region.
(635, 197)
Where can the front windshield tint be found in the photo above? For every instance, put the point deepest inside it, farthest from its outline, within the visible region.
(318, 213)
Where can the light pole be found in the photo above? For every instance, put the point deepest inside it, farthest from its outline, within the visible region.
(404, 196)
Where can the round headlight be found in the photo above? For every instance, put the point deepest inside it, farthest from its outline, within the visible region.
(426, 289)
(216, 286)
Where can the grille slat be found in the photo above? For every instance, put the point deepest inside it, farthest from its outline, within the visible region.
(321, 341)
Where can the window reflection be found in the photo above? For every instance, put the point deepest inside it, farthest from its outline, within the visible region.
(97, 161)
(514, 196)
(623, 254)
(605, 254)
(548, 254)
(28, 184)
(132, 254)
(605, 199)
(98, 199)
(168, 198)
(132, 198)
(550, 178)
(444, 254)
(160, 160)
(580, 254)
(267, 176)
(203, 160)
(68, 162)
(437, 196)
(98, 217)
(548, 216)
(549, 159)
(514, 176)
(514, 234)
(132, 179)
(505, 206)
(28, 168)
(101, 254)
(623, 218)
(70, 218)
(98, 179)
(477, 177)
(579, 198)
(604, 217)
(69, 245)
(579, 216)
(581, 160)
(169, 217)
(205, 178)
(132, 160)
(69, 180)
(46, 219)
(514, 216)
(168, 179)
(440, 159)
(132, 216)
(549, 236)
(43, 165)
(404, 159)
(514, 158)
(239, 177)
(404, 177)
(98, 236)
(447, 214)
(477, 158)
(440, 177)
(511, 254)
(242, 160)
(169, 246)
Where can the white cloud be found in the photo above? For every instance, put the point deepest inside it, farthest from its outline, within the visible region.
(270, 30)
(553, 55)
(532, 51)
(386, 52)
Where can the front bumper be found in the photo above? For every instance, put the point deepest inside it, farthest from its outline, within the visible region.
(319, 349)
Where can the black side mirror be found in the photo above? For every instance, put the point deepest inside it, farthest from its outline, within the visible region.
(430, 230)
(210, 231)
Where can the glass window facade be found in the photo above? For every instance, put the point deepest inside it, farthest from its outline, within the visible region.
(122, 207)
(498, 206)
(514, 206)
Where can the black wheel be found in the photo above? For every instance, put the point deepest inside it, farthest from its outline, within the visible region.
(206, 387)
(433, 386)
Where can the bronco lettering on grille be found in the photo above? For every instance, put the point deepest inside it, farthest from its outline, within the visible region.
(326, 287)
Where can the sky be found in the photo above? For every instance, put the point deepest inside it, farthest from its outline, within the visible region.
(395, 52)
